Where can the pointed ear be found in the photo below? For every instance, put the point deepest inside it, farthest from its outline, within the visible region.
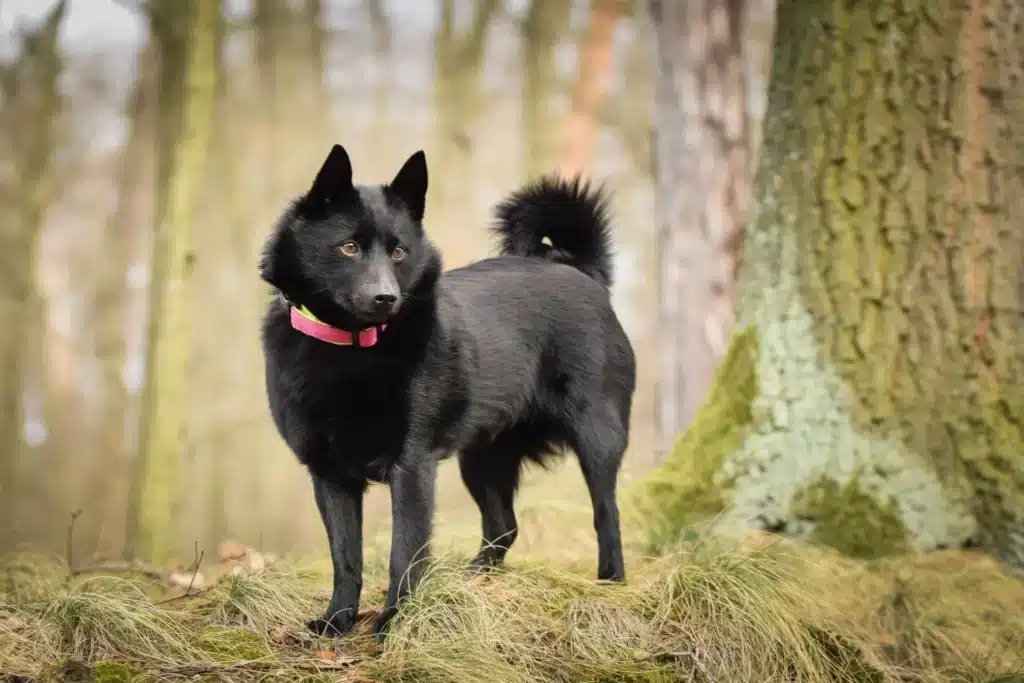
(410, 184)
(333, 181)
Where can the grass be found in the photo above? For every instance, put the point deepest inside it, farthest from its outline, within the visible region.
(753, 609)
(712, 610)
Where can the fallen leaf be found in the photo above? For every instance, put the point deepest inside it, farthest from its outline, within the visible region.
(325, 655)
(230, 550)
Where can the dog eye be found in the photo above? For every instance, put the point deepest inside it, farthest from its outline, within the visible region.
(350, 248)
(399, 254)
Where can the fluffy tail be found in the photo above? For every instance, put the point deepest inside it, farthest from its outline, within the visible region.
(570, 214)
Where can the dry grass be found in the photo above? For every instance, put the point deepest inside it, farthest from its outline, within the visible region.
(756, 609)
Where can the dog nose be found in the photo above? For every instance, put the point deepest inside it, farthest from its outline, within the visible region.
(385, 300)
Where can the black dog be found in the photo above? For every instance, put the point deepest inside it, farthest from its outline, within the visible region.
(378, 366)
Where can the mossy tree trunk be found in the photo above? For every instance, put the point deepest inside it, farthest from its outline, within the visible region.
(186, 35)
(883, 277)
(545, 24)
(31, 92)
(702, 176)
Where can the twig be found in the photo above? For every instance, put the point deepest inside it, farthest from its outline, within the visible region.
(184, 596)
(69, 546)
(339, 664)
(198, 555)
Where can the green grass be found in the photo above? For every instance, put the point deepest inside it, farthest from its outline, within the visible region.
(754, 609)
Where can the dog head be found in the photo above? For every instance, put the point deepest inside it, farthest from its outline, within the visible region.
(354, 255)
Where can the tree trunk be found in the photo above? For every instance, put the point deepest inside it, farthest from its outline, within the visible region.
(459, 61)
(882, 289)
(546, 23)
(595, 65)
(316, 56)
(112, 303)
(34, 89)
(187, 39)
(269, 18)
(702, 161)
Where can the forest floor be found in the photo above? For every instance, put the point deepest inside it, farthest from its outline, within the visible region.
(715, 610)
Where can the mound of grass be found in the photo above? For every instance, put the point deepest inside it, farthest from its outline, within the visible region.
(756, 609)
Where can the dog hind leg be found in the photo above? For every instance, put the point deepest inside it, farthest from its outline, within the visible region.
(599, 436)
(492, 476)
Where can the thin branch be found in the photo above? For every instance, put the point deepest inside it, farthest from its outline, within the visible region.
(69, 544)
(341, 663)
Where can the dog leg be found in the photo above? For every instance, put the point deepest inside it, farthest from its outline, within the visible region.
(341, 508)
(600, 443)
(492, 477)
(412, 512)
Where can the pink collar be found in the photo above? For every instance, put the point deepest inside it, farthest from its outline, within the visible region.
(307, 323)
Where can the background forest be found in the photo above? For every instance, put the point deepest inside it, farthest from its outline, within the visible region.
(819, 263)
(493, 92)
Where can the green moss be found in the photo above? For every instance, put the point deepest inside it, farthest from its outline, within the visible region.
(850, 520)
(116, 672)
(685, 489)
(231, 644)
(993, 458)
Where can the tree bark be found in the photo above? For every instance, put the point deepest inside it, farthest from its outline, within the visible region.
(882, 290)
(33, 86)
(187, 39)
(702, 169)
(595, 64)
(546, 23)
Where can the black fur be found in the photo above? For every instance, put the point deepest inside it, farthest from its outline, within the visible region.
(508, 359)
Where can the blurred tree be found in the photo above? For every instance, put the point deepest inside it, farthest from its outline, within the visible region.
(545, 25)
(317, 44)
(384, 91)
(31, 94)
(185, 34)
(110, 305)
(702, 152)
(459, 61)
(231, 246)
(882, 289)
(380, 24)
(269, 19)
(595, 64)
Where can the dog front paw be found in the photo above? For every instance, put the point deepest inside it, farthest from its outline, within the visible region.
(333, 627)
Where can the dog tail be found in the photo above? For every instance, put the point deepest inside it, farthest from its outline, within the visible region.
(570, 214)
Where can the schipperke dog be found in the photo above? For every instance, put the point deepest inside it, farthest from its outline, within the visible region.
(378, 365)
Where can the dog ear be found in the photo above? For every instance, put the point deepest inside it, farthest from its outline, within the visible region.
(410, 184)
(279, 263)
(333, 181)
